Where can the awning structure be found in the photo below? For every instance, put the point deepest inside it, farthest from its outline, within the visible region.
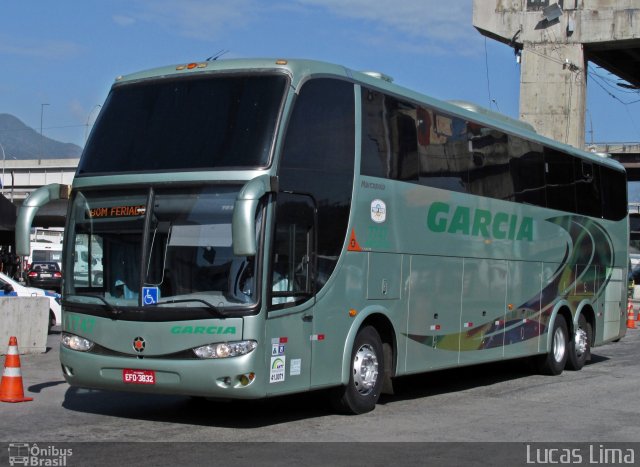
(7, 214)
(7, 222)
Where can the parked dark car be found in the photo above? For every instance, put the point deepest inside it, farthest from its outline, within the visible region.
(634, 274)
(45, 275)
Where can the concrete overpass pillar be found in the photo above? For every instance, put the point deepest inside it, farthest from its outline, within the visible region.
(553, 90)
(556, 39)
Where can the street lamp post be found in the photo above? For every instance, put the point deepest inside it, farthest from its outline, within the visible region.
(86, 131)
(4, 160)
(41, 137)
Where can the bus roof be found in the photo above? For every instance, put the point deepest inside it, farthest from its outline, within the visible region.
(301, 69)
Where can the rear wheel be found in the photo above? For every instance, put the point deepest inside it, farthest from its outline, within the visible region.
(580, 346)
(362, 392)
(554, 362)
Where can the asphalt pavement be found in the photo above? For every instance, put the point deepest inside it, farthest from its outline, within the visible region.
(494, 408)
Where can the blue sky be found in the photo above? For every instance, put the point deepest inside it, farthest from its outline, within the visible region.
(67, 53)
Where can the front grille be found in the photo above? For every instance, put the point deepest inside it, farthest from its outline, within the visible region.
(181, 355)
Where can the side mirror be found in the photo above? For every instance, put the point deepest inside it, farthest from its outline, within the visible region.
(243, 224)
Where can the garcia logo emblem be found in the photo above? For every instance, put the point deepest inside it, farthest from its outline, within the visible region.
(138, 344)
(378, 211)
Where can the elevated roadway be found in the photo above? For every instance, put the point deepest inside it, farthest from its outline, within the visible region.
(21, 177)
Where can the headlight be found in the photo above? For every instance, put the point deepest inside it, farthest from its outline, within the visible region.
(225, 349)
(73, 342)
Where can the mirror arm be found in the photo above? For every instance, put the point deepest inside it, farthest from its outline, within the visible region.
(243, 225)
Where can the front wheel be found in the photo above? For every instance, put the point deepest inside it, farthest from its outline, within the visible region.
(580, 346)
(554, 362)
(362, 392)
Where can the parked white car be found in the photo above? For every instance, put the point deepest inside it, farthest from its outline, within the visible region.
(10, 287)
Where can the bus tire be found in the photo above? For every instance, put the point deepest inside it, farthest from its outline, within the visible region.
(580, 345)
(554, 362)
(366, 374)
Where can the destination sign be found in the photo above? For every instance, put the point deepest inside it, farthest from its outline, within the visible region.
(116, 211)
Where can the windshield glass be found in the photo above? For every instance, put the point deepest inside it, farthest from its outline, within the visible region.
(206, 122)
(161, 249)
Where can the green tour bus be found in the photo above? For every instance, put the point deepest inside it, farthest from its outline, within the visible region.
(265, 227)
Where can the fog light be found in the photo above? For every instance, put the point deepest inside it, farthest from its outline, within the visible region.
(247, 379)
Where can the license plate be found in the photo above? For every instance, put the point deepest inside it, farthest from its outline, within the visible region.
(45, 275)
(138, 376)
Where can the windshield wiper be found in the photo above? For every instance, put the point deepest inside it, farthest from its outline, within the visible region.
(211, 307)
(113, 311)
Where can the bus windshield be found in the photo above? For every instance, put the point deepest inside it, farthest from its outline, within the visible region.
(208, 122)
(179, 255)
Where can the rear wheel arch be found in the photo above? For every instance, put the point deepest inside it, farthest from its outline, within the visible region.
(581, 339)
(554, 360)
(562, 310)
(385, 329)
(590, 315)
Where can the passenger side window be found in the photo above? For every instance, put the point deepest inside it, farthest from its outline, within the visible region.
(407, 141)
(318, 161)
(293, 258)
(561, 192)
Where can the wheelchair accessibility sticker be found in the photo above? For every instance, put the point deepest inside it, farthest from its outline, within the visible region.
(149, 295)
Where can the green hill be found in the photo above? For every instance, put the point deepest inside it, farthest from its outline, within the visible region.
(22, 142)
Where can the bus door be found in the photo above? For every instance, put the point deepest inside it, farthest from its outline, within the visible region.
(291, 299)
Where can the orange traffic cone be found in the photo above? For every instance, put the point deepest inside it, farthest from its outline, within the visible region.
(631, 317)
(11, 385)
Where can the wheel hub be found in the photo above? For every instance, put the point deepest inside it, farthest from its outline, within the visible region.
(559, 345)
(580, 340)
(365, 369)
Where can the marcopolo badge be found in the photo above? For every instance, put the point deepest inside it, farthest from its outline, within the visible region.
(378, 211)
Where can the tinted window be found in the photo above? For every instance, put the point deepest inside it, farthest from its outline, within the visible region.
(389, 138)
(203, 123)
(404, 141)
(489, 173)
(527, 172)
(588, 193)
(614, 193)
(318, 159)
(561, 191)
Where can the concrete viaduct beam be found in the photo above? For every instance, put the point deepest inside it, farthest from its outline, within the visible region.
(555, 39)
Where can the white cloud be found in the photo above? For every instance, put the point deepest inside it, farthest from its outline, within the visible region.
(122, 20)
(54, 50)
(436, 25)
(198, 19)
(429, 27)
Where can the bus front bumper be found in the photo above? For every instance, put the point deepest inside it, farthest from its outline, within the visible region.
(235, 378)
